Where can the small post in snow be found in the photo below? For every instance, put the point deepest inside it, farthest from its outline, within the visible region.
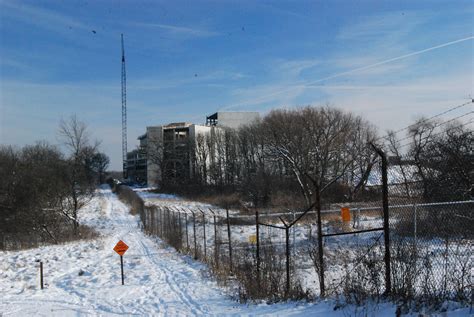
(41, 274)
(121, 248)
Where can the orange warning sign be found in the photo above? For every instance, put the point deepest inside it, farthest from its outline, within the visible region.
(121, 248)
(345, 214)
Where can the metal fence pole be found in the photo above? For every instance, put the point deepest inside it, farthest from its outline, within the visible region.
(287, 236)
(386, 224)
(294, 230)
(186, 228)
(216, 256)
(167, 224)
(180, 229)
(320, 244)
(230, 240)
(414, 224)
(162, 225)
(194, 234)
(257, 236)
(204, 233)
(150, 217)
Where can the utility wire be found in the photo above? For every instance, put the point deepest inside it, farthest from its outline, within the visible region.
(426, 120)
(440, 132)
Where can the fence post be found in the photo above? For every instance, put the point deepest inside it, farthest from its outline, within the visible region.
(320, 244)
(204, 233)
(162, 225)
(386, 228)
(158, 226)
(148, 217)
(287, 234)
(216, 254)
(194, 234)
(164, 228)
(186, 228)
(415, 216)
(294, 230)
(151, 215)
(257, 236)
(180, 231)
(149, 223)
(167, 224)
(230, 240)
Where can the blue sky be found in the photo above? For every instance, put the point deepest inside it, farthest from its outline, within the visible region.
(188, 59)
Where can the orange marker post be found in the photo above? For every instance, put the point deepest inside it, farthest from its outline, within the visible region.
(345, 214)
(121, 247)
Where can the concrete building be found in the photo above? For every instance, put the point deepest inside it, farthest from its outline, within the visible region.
(137, 166)
(231, 119)
(167, 150)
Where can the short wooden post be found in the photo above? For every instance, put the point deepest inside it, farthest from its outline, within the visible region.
(41, 274)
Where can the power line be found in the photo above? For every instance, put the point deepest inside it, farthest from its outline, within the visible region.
(441, 123)
(427, 119)
(438, 133)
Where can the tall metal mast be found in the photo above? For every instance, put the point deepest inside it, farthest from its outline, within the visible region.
(124, 114)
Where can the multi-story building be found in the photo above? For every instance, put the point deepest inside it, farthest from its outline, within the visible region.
(136, 166)
(166, 151)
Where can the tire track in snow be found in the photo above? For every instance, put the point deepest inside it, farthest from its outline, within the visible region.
(173, 284)
(135, 234)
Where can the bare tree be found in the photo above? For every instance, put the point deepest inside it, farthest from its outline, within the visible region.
(80, 187)
(421, 133)
(99, 162)
(32, 180)
(394, 148)
(320, 146)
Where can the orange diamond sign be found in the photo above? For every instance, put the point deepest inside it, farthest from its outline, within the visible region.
(121, 248)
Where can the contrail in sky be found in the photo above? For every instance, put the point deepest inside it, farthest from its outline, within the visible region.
(355, 70)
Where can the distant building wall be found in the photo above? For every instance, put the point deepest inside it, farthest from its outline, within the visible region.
(232, 119)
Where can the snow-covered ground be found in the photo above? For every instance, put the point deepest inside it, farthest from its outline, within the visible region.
(83, 278)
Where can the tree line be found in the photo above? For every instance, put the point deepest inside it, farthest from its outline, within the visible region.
(42, 187)
(319, 153)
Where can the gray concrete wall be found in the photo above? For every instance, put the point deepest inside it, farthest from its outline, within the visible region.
(235, 119)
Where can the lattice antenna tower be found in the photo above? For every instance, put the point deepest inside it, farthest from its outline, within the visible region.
(124, 114)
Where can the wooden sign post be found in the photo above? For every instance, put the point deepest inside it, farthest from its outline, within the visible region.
(121, 248)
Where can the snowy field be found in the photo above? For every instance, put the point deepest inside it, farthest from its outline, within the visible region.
(83, 278)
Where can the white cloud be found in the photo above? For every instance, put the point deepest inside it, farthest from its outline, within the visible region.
(179, 30)
(41, 17)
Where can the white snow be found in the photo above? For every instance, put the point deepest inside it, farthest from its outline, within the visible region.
(158, 280)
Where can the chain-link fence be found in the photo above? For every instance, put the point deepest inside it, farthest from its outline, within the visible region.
(431, 247)
(431, 240)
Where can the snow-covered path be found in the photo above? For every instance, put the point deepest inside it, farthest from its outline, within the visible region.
(83, 278)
